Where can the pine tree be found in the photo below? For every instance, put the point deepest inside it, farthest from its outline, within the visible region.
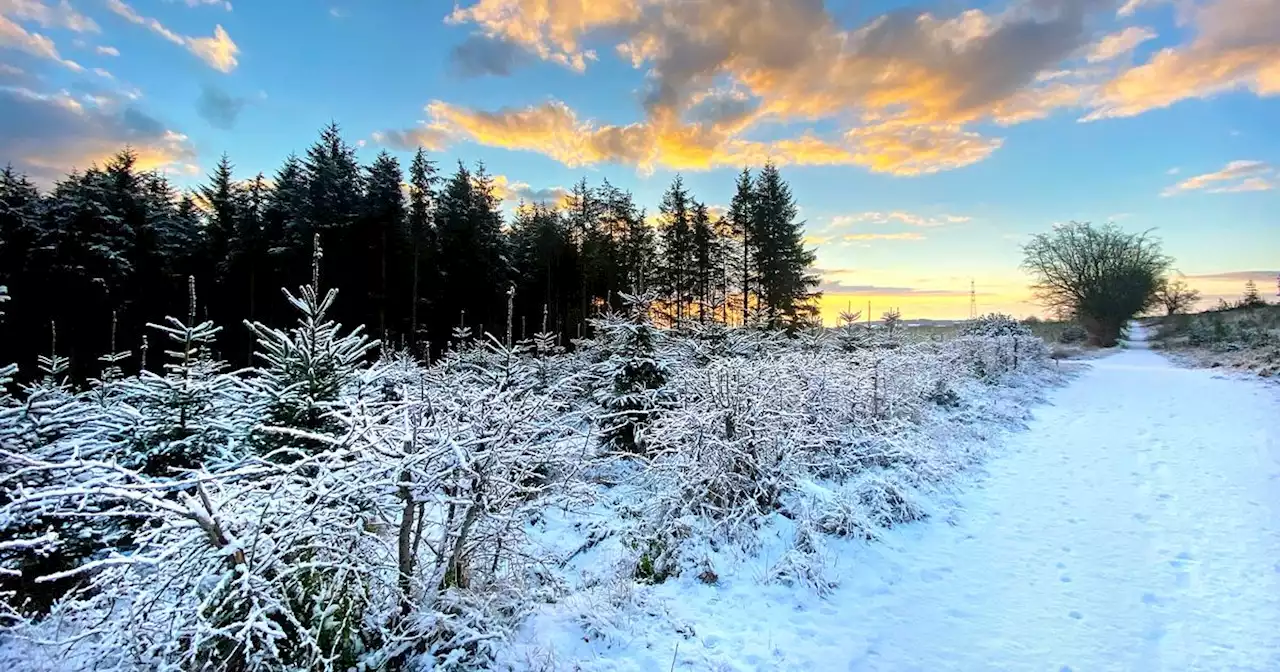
(742, 223)
(305, 368)
(678, 277)
(634, 389)
(707, 268)
(222, 200)
(1251, 297)
(187, 414)
(785, 282)
(384, 234)
(472, 258)
(288, 228)
(422, 236)
(333, 209)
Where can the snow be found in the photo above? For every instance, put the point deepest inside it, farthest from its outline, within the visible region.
(1134, 526)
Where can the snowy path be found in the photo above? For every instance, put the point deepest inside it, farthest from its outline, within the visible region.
(1134, 526)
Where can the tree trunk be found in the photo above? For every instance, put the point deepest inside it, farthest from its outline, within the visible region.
(405, 544)
(413, 309)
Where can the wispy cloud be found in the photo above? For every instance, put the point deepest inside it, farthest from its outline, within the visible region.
(1236, 176)
(218, 52)
(107, 51)
(1119, 44)
(905, 235)
(897, 216)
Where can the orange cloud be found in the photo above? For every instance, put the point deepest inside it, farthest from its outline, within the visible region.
(511, 191)
(50, 134)
(1236, 47)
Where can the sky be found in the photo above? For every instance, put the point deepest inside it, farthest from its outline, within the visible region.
(924, 143)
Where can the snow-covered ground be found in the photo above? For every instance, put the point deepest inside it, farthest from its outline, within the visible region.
(1134, 526)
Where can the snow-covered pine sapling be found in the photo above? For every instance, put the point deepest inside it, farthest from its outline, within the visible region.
(303, 370)
(852, 336)
(111, 370)
(634, 379)
(188, 413)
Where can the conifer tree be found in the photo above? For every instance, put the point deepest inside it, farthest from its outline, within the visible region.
(706, 265)
(742, 225)
(304, 369)
(333, 209)
(186, 415)
(678, 277)
(383, 234)
(422, 236)
(785, 283)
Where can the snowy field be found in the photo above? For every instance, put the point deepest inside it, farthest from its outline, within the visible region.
(710, 500)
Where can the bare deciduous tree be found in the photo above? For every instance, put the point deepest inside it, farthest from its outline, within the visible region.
(1102, 274)
(1175, 296)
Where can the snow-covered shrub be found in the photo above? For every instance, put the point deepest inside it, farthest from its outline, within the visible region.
(995, 324)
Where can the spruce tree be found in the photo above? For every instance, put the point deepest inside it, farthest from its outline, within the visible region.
(333, 208)
(304, 369)
(707, 269)
(785, 282)
(677, 270)
(288, 230)
(383, 234)
(422, 237)
(742, 224)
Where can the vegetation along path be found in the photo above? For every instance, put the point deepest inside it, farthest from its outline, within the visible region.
(1134, 526)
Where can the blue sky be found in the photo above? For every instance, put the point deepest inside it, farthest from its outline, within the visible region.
(924, 142)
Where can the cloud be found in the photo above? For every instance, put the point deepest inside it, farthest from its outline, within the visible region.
(14, 36)
(1118, 44)
(480, 55)
(905, 235)
(1236, 47)
(906, 85)
(49, 134)
(514, 192)
(551, 29)
(554, 129)
(218, 52)
(1236, 176)
(218, 107)
(1238, 276)
(338, 12)
(411, 139)
(61, 15)
(107, 51)
(898, 216)
(830, 286)
(214, 3)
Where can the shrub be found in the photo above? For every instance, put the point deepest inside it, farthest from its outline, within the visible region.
(1073, 333)
(995, 324)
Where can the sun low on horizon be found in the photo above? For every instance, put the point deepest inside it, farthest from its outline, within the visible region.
(924, 144)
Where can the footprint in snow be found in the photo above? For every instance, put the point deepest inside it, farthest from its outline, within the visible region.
(1076, 615)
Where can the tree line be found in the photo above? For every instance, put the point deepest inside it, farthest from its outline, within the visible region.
(414, 256)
